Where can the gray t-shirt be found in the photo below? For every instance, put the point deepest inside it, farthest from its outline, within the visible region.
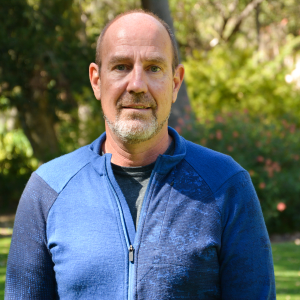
(133, 182)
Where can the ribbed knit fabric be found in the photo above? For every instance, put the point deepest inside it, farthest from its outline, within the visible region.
(30, 273)
(201, 233)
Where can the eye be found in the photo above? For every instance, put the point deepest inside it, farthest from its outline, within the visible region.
(121, 67)
(155, 69)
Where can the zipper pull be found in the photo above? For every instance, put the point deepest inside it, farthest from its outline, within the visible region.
(131, 252)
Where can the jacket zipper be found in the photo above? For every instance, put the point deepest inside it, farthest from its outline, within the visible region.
(131, 253)
(129, 246)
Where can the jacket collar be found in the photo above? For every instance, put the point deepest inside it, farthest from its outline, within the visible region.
(166, 162)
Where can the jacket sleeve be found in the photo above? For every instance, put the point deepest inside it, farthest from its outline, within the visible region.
(30, 273)
(246, 265)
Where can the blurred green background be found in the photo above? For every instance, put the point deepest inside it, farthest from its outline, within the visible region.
(242, 61)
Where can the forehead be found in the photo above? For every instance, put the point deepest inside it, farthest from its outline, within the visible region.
(137, 32)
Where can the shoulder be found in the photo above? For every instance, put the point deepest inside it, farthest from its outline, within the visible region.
(214, 167)
(57, 172)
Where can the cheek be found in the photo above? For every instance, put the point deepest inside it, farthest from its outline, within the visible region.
(112, 89)
(163, 91)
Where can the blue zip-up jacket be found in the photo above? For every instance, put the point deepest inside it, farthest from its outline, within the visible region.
(201, 233)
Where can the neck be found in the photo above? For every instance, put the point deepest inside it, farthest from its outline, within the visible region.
(133, 155)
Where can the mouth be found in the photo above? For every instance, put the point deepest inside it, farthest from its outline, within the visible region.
(136, 107)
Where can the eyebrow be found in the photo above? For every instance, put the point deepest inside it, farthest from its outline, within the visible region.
(157, 59)
(152, 59)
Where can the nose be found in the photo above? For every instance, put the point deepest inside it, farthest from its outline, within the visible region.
(137, 81)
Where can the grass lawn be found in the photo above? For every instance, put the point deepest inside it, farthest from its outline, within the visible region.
(4, 247)
(286, 260)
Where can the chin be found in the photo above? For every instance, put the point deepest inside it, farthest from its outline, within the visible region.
(135, 131)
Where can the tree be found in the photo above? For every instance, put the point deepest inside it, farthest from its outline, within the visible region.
(41, 68)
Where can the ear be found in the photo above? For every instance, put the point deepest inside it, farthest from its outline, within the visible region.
(177, 81)
(95, 80)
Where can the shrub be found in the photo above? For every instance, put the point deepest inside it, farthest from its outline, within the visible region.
(270, 152)
(226, 79)
(16, 166)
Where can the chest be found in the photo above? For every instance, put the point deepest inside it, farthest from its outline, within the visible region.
(181, 239)
(176, 243)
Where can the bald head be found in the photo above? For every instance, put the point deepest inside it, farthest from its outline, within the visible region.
(130, 22)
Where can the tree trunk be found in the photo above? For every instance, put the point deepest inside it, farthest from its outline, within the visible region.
(181, 109)
(37, 118)
(38, 126)
(243, 15)
(257, 22)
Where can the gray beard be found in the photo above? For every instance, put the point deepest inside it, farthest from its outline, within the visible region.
(135, 130)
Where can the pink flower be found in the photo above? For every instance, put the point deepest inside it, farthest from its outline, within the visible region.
(178, 129)
(262, 185)
(230, 148)
(180, 121)
(292, 128)
(281, 206)
(219, 135)
(260, 158)
(270, 167)
(189, 127)
(219, 119)
(268, 162)
(285, 123)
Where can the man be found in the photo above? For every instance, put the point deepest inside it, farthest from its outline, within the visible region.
(141, 213)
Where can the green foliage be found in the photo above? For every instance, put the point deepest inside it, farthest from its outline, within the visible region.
(270, 152)
(225, 79)
(45, 50)
(244, 107)
(16, 165)
(96, 14)
(91, 123)
(198, 22)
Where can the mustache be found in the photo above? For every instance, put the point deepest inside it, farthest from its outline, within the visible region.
(133, 98)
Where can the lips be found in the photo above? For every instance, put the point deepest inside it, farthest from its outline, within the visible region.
(136, 106)
(139, 101)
